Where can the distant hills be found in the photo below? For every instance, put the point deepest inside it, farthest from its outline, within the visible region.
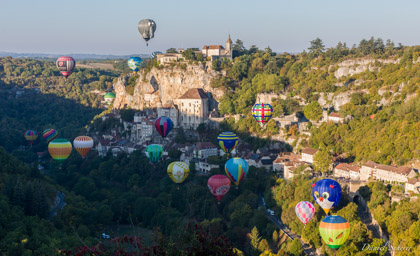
(74, 55)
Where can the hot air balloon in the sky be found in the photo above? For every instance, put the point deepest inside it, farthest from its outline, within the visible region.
(236, 169)
(227, 141)
(60, 149)
(262, 113)
(334, 231)
(305, 211)
(178, 171)
(154, 152)
(153, 55)
(134, 63)
(30, 136)
(65, 65)
(218, 185)
(327, 193)
(83, 144)
(109, 97)
(163, 125)
(49, 134)
(147, 28)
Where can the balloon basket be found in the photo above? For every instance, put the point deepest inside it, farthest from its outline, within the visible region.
(236, 187)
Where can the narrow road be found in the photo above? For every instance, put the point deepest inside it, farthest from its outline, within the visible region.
(306, 248)
(59, 204)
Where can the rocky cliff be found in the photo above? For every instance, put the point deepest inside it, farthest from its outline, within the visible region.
(160, 86)
(355, 66)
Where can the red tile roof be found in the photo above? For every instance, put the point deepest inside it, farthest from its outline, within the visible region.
(403, 170)
(213, 47)
(194, 93)
(205, 145)
(347, 167)
(309, 151)
(334, 114)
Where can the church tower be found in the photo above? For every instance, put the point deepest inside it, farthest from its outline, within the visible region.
(229, 44)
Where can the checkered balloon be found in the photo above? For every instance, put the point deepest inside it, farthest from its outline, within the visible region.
(262, 113)
(305, 211)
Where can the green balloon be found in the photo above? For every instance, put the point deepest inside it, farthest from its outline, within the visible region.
(154, 152)
(334, 231)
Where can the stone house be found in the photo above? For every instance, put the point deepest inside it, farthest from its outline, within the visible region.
(386, 173)
(212, 52)
(203, 150)
(205, 167)
(412, 185)
(308, 155)
(347, 171)
(194, 108)
(336, 117)
(171, 111)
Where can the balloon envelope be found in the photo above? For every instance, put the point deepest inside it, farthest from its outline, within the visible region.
(178, 171)
(49, 134)
(147, 28)
(227, 141)
(163, 125)
(154, 152)
(326, 193)
(65, 65)
(305, 211)
(83, 144)
(134, 63)
(334, 231)
(236, 169)
(154, 54)
(109, 97)
(31, 135)
(218, 185)
(60, 149)
(262, 113)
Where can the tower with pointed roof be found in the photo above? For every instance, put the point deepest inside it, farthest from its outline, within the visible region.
(229, 44)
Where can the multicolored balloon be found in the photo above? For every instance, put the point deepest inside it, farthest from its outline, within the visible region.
(236, 169)
(218, 185)
(163, 125)
(109, 97)
(134, 63)
(83, 144)
(305, 211)
(65, 65)
(262, 113)
(227, 141)
(334, 231)
(178, 171)
(327, 193)
(154, 152)
(60, 149)
(147, 28)
(30, 136)
(49, 134)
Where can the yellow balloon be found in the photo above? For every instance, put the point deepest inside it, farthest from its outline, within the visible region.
(178, 171)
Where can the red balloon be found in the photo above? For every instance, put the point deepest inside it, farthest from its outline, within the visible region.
(219, 185)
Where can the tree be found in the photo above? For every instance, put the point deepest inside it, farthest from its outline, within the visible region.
(171, 50)
(255, 238)
(238, 48)
(313, 111)
(189, 54)
(295, 248)
(317, 47)
(322, 161)
(174, 153)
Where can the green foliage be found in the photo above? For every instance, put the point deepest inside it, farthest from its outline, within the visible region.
(131, 84)
(322, 161)
(171, 50)
(313, 111)
(317, 47)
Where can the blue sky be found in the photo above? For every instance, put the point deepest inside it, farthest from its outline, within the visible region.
(110, 27)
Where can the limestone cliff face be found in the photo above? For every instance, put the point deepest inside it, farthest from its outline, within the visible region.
(355, 66)
(161, 86)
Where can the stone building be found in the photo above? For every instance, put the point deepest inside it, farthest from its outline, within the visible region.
(347, 171)
(386, 173)
(308, 155)
(171, 111)
(212, 52)
(205, 149)
(193, 106)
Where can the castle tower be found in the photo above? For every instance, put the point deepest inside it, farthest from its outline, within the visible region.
(229, 44)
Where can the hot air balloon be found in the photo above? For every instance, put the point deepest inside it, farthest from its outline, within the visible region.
(305, 211)
(60, 149)
(334, 231)
(49, 134)
(147, 28)
(219, 185)
(262, 113)
(83, 144)
(327, 193)
(153, 55)
(163, 125)
(178, 171)
(154, 152)
(65, 65)
(227, 141)
(109, 97)
(30, 136)
(236, 169)
(134, 63)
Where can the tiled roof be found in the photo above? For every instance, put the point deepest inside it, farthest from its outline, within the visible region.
(309, 151)
(334, 114)
(205, 145)
(399, 170)
(348, 167)
(194, 93)
(213, 47)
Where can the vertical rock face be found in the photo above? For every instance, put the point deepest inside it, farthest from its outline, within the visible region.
(355, 66)
(161, 86)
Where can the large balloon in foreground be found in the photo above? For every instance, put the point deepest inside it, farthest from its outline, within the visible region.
(262, 113)
(60, 149)
(65, 65)
(334, 231)
(134, 63)
(227, 141)
(178, 171)
(49, 135)
(109, 97)
(305, 211)
(163, 125)
(154, 152)
(218, 185)
(327, 193)
(147, 28)
(31, 135)
(236, 169)
(83, 144)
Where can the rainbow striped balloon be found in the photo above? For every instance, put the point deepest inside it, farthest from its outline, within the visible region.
(262, 113)
(60, 149)
(227, 141)
(31, 135)
(83, 144)
(49, 134)
(236, 169)
(334, 231)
